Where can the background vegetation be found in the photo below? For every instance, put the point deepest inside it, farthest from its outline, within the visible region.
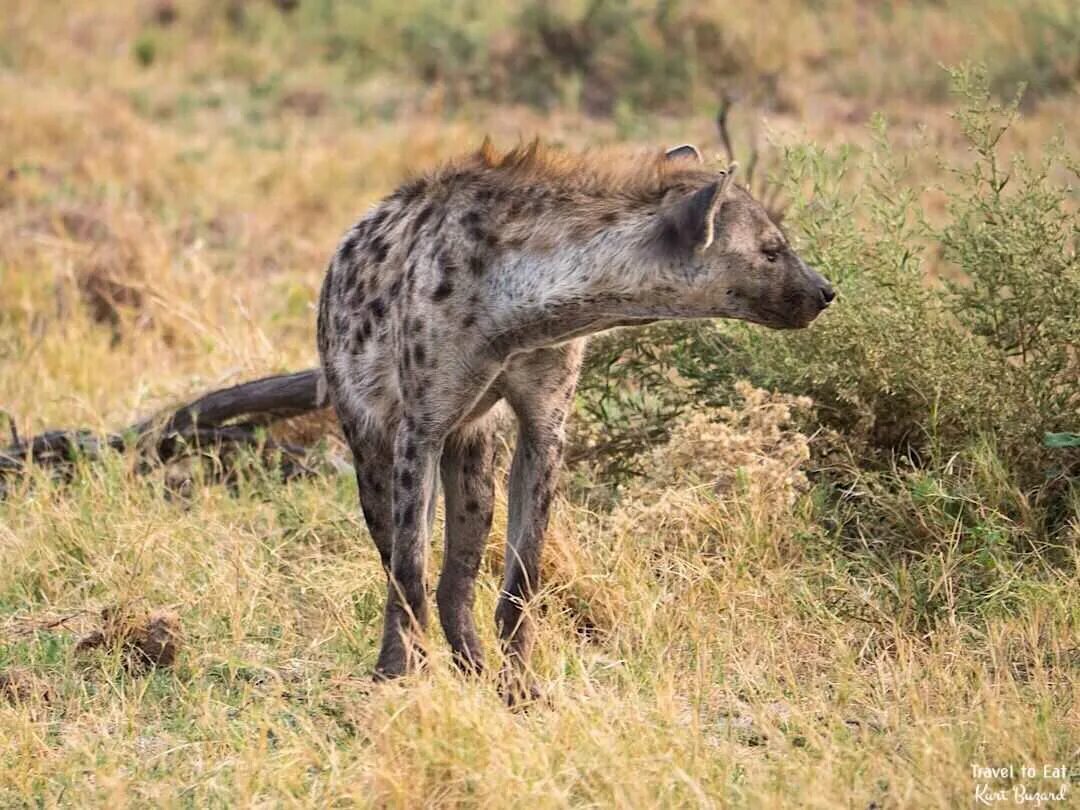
(833, 568)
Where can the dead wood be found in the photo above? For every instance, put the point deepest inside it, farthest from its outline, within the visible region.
(222, 420)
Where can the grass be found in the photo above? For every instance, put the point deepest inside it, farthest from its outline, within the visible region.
(698, 646)
(724, 662)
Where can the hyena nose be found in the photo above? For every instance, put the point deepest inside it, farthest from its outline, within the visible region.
(820, 285)
(826, 293)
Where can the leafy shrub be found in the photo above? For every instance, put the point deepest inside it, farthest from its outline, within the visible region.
(912, 376)
(1013, 237)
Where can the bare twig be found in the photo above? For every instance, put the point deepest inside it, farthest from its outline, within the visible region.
(726, 102)
(768, 193)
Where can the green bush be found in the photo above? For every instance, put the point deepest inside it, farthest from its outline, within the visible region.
(947, 339)
(1013, 236)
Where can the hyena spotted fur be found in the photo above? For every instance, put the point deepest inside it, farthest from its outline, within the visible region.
(478, 283)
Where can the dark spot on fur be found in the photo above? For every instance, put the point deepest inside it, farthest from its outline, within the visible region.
(378, 308)
(419, 354)
(468, 321)
(379, 249)
(377, 220)
(406, 479)
(349, 245)
(395, 288)
(423, 217)
(472, 505)
(443, 290)
(476, 264)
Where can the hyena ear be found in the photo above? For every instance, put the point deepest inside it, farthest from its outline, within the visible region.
(687, 150)
(690, 221)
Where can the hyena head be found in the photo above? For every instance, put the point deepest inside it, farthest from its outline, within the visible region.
(732, 259)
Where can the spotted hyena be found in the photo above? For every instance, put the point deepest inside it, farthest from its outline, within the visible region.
(478, 283)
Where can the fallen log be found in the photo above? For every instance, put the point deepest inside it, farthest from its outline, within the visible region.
(225, 419)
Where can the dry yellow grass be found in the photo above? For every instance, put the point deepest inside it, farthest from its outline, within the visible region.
(698, 646)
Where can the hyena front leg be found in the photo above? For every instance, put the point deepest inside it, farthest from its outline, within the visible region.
(468, 478)
(540, 390)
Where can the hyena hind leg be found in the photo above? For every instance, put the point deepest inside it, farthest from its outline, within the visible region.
(468, 477)
(373, 458)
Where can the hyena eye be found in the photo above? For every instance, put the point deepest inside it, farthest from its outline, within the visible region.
(771, 253)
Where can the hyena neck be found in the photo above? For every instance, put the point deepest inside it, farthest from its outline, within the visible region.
(617, 277)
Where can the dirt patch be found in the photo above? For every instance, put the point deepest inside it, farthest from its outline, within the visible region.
(146, 639)
(21, 686)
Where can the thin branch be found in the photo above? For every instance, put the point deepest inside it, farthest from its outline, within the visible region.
(726, 102)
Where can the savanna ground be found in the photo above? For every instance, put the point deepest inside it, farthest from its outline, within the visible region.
(828, 569)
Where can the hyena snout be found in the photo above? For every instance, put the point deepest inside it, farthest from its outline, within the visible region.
(823, 289)
(816, 293)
